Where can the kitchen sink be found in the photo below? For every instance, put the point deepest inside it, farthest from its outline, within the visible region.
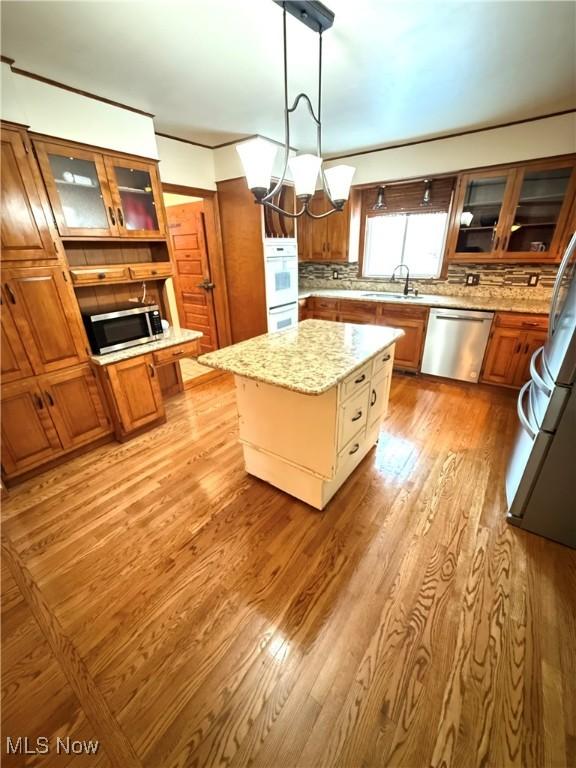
(383, 294)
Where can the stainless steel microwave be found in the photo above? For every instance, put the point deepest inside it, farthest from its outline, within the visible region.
(122, 327)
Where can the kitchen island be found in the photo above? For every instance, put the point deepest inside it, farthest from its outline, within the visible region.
(310, 402)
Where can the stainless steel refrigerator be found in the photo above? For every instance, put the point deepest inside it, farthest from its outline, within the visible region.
(541, 476)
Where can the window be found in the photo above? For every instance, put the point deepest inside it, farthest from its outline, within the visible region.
(414, 239)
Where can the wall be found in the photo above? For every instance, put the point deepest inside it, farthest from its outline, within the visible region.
(496, 280)
(227, 164)
(186, 164)
(525, 141)
(67, 115)
(172, 199)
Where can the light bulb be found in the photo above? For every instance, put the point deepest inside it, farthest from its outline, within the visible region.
(305, 173)
(257, 156)
(339, 179)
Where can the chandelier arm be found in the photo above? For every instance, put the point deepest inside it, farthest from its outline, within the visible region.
(308, 104)
(319, 134)
(289, 214)
(280, 181)
(335, 209)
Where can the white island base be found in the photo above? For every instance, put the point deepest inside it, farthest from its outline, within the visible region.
(308, 445)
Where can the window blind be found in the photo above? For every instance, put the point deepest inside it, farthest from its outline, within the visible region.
(408, 198)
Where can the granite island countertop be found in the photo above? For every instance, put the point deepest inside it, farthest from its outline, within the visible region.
(497, 304)
(310, 358)
(170, 339)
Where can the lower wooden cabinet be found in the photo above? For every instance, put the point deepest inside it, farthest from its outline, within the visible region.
(408, 355)
(134, 392)
(46, 416)
(513, 341)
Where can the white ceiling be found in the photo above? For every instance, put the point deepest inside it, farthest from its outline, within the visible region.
(211, 70)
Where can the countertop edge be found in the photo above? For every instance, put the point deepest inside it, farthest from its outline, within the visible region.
(430, 301)
(302, 390)
(145, 349)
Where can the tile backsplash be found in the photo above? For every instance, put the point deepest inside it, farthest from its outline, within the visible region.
(498, 280)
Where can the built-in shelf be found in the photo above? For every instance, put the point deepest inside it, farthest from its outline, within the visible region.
(104, 274)
(136, 190)
(65, 183)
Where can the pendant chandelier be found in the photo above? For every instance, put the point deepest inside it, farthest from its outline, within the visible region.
(258, 154)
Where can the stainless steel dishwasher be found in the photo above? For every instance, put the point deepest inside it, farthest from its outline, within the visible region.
(455, 343)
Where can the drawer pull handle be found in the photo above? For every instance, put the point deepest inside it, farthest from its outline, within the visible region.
(385, 358)
(358, 416)
(354, 449)
(360, 379)
(120, 216)
(152, 371)
(38, 402)
(111, 212)
(373, 397)
(49, 397)
(178, 352)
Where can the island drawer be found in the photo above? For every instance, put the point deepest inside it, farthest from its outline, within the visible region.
(355, 381)
(170, 354)
(353, 416)
(347, 455)
(382, 360)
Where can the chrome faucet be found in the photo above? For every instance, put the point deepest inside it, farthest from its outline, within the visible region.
(406, 284)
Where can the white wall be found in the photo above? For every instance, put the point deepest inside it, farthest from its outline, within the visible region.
(227, 163)
(185, 164)
(67, 115)
(525, 141)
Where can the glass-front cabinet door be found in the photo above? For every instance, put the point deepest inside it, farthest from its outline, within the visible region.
(137, 197)
(481, 214)
(78, 190)
(539, 211)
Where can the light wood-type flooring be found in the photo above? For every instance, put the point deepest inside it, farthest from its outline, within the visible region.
(161, 601)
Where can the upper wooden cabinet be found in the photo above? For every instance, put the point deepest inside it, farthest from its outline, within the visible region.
(46, 315)
(24, 225)
(515, 215)
(334, 238)
(100, 195)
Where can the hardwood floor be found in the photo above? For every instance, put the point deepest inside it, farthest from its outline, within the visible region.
(158, 599)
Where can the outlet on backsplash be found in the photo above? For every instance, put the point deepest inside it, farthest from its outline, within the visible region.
(533, 279)
(472, 279)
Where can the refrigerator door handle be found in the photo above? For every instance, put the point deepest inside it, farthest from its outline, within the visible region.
(558, 284)
(521, 415)
(534, 373)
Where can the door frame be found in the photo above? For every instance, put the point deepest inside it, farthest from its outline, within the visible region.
(215, 254)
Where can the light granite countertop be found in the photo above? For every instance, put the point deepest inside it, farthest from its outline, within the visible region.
(170, 339)
(529, 306)
(310, 358)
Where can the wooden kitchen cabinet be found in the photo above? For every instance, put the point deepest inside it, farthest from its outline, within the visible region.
(409, 348)
(334, 238)
(29, 437)
(75, 402)
(513, 340)
(15, 362)
(100, 195)
(46, 315)
(25, 232)
(134, 391)
(512, 214)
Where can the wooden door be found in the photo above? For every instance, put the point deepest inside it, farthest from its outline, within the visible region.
(502, 356)
(136, 392)
(137, 197)
(538, 212)
(75, 403)
(29, 437)
(532, 341)
(25, 233)
(46, 315)
(15, 362)
(408, 352)
(483, 200)
(193, 279)
(78, 190)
